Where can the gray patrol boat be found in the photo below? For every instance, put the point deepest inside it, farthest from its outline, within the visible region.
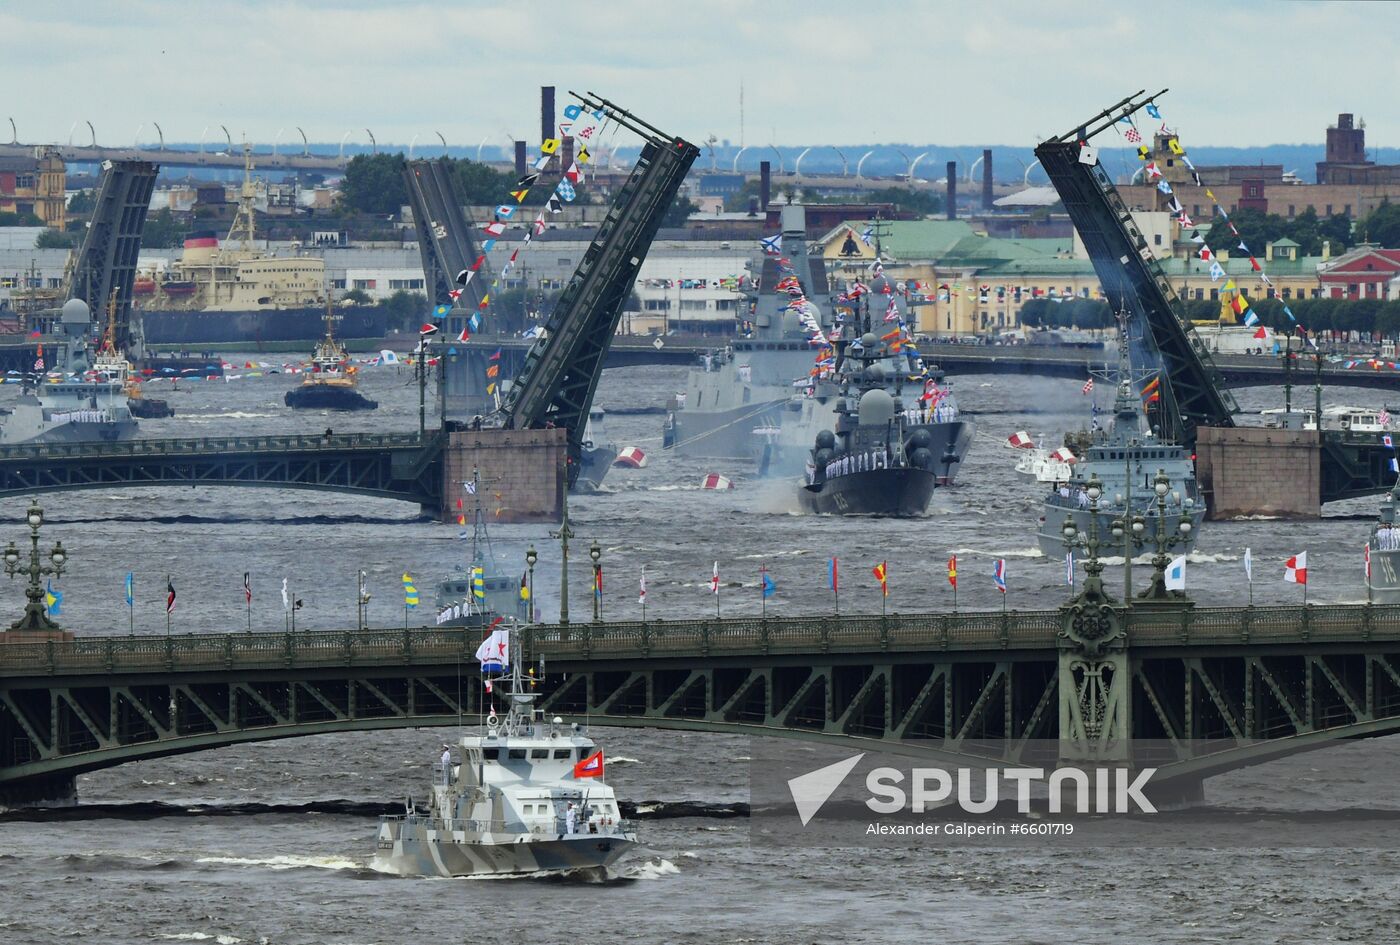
(525, 797)
(1126, 459)
(734, 397)
(78, 397)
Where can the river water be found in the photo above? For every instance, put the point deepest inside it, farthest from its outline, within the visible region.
(238, 864)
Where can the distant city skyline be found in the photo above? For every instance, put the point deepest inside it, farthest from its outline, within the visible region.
(1009, 73)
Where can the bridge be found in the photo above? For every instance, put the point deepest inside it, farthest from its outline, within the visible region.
(1093, 677)
(391, 466)
(231, 158)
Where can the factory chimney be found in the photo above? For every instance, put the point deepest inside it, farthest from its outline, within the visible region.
(546, 112)
(520, 158)
(952, 207)
(765, 184)
(986, 178)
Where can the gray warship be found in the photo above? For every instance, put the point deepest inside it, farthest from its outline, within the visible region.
(478, 593)
(922, 399)
(1383, 553)
(525, 797)
(1125, 458)
(76, 397)
(734, 396)
(597, 456)
(875, 461)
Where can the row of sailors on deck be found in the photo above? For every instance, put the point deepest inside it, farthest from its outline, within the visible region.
(859, 462)
(80, 416)
(1387, 538)
(943, 413)
(1079, 495)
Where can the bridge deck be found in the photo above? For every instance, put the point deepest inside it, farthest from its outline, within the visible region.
(689, 639)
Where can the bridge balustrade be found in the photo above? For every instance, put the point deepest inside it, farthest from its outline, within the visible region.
(200, 445)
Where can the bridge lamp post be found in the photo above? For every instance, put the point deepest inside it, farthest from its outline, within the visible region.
(35, 618)
(531, 556)
(362, 602)
(1165, 541)
(564, 533)
(1127, 531)
(1074, 538)
(596, 553)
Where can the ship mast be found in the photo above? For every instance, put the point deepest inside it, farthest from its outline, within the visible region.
(242, 227)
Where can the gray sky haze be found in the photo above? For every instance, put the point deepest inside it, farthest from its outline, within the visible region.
(1007, 72)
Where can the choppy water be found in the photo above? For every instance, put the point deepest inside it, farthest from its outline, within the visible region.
(280, 876)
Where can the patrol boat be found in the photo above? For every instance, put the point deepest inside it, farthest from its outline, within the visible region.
(1126, 459)
(1383, 553)
(477, 593)
(84, 400)
(525, 797)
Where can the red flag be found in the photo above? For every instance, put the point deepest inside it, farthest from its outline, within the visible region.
(590, 767)
(428, 329)
(881, 574)
(1295, 569)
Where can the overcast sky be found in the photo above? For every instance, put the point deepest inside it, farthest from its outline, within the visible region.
(989, 72)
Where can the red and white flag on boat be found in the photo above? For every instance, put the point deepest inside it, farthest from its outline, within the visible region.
(590, 767)
(1295, 569)
(1020, 440)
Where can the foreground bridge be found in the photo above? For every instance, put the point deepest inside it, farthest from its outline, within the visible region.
(1092, 678)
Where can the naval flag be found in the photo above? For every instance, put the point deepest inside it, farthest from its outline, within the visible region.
(1295, 569)
(494, 652)
(1176, 574)
(590, 767)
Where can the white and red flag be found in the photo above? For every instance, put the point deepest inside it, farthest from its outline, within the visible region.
(1020, 440)
(714, 579)
(1089, 386)
(1295, 569)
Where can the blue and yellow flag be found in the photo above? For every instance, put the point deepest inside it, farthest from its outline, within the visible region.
(478, 583)
(53, 600)
(410, 593)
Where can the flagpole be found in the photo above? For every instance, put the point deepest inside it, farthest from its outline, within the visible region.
(762, 593)
(167, 608)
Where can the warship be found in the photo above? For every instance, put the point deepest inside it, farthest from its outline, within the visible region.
(1126, 459)
(735, 395)
(877, 460)
(477, 592)
(234, 292)
(524, 797)
(80, 399)
(928, 409)
(597, 456)
(329, 379)
(1383, 553)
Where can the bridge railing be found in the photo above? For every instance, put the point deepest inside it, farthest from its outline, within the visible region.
(854, 633)
(299, 442)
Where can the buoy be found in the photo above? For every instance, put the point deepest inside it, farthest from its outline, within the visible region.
(631, 457)
(716, 481)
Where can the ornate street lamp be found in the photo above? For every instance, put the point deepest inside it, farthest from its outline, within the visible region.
(531, 556)
(1089, 542)
(596, 554)
(1164, 540)
(35, 619)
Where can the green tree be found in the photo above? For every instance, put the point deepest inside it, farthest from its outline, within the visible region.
(53, 239)
(162, 230)
(19, 219)
(356, 296)
(923, 202)
(404, 309)
(479, 185)
(681, 209)
(82, 203)
(1303, 231)
(1255, 228)
(1382, 225)
(1336, 229)
(373, 183)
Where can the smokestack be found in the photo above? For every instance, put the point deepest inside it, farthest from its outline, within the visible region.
(952, 190)
(986, 178)
(546, 112)
(765, 184)
(520, 158)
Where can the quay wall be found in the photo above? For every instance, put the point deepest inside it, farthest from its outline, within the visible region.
(521, 474)
(1246, 471)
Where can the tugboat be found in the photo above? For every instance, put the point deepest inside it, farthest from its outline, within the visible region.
(477, 594)
(526, 797)
(82, 401)
(330, 379)
(1383, 553)
(874, 463)
(1126, 459)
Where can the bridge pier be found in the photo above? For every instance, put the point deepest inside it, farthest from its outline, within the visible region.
(521, 473)
(54, 790)
(1259, 471)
